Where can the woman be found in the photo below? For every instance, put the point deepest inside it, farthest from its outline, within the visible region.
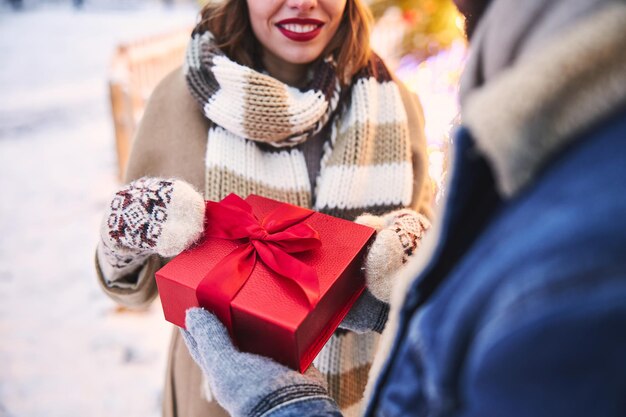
(282, 99)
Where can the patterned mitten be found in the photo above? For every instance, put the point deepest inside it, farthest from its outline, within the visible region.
(399, 234)
(148, 216)
(250, 385)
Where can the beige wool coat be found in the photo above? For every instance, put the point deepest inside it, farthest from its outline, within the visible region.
(171, 142)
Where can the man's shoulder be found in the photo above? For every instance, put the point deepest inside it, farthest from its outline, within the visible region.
(559, 243)
(559, 246)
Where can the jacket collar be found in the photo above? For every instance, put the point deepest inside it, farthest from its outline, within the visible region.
(519, 120)
(535, 108)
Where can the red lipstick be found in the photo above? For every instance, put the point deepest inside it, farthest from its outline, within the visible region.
(300, 30)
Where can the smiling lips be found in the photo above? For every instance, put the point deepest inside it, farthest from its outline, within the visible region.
(300, 30)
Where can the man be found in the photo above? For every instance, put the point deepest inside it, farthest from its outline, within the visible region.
(516, 303)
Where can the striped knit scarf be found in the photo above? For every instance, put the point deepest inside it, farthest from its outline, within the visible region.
(257, 125)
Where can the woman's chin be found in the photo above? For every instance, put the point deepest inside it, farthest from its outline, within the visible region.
(299, 57)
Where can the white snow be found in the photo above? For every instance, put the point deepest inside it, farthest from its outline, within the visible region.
(65, 350)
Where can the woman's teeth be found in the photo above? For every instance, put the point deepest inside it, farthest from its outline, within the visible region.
(292, 27)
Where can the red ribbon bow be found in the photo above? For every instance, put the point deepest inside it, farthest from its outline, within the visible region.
(272, 240)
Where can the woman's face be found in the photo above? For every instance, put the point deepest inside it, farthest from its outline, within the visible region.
(295, 31)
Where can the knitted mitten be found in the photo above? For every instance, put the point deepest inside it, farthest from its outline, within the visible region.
(250, 385)
(148, 216)
(399, 234)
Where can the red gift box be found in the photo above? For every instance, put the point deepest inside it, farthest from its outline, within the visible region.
(280, 277)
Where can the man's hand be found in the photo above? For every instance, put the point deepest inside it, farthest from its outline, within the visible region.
(249, 385)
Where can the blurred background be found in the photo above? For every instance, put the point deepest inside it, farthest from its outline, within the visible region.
(74, 78)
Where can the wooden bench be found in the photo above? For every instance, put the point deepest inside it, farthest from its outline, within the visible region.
(136, 68)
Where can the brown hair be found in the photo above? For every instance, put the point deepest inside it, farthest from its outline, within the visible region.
(229, 22)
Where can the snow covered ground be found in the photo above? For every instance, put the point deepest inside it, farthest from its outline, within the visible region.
(64, 348)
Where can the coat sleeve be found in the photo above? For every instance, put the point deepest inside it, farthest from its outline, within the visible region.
(170, 143)
(567, 362)
(422, 187)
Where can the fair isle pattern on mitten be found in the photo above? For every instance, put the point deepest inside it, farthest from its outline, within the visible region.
(400, 235)
(148, 216)
(410, 228)
(139, 212)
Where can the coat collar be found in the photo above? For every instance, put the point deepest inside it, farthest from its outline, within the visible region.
(522, 118)
(532, 110)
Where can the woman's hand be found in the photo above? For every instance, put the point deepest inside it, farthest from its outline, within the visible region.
(399, 234)
(149, 216)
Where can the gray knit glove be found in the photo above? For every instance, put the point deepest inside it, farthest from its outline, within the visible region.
(399, 234)
(148, 216)
(249, 385)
